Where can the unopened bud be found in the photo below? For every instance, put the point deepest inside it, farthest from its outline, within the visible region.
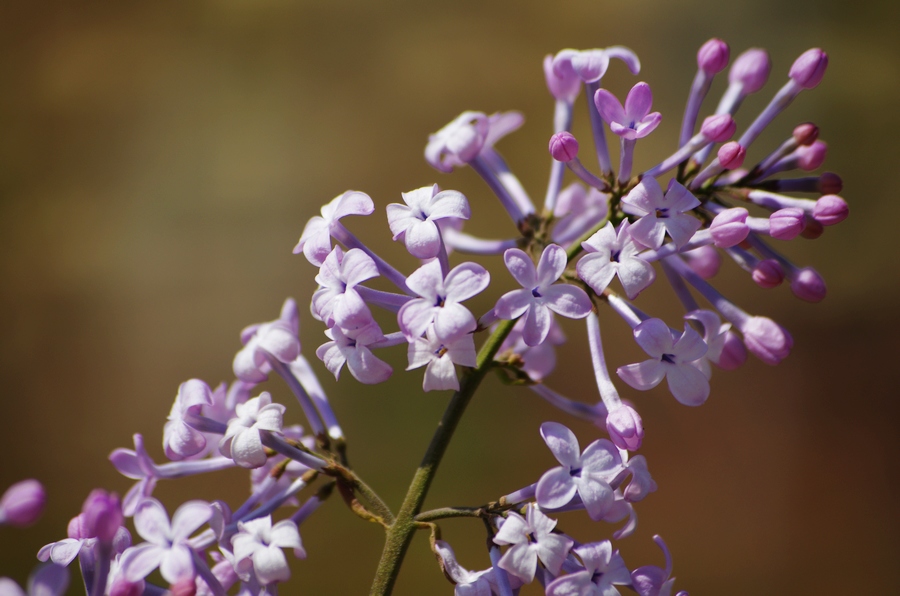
(718, 128)
(751, 69)
(22, 503)
(102, 515)
(830, 183)
(766, 339)
(713, 56)
(625, 428)
(808, 285)
(734, 352)
(563, 147)
(808, 70)
(786, 224)
(704, 261)
(811, 157)
(731, 155)
(729, 228)
(830, 210)
(806, 133)
(813, 229)
(768, 273)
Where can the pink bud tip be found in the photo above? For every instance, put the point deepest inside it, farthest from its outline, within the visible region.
(812, 230)
(718, 129)
(767, 340)
(729, 228)
(22, 503)
(830, 210)
(768, 273)
(786, 224)
(808, 285)
(184, 587)
(713, 56)
(102, 515)
(830, 183)
(625, 428)
(563, 147)
(811, 157)
(731, 155)
(751, 69)
(704, 261)
(808, 70)
(806, 134)
(734, 352)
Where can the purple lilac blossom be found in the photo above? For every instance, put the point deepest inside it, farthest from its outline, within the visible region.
(660, 214)
(257, 548)
(604, 569)
(351, 347)
(612, 252)
(539, 295)
(180, 440)
(463, 139)
(315, 241)
(278, 338)
(337, 302)
(439, 357)
(634, 120)
(45, 580)
(531, 538)
(242, 440)
(416, 222)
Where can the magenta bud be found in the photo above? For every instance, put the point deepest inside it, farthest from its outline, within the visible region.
(811, 157)
(806, 134)
(808, 70)
(184, 587)
(751, 69)
(767, 340)
(768, 273)
(123, 587)
(22, 503)
(729, 228)
(719, 128)
(704, 261)
(563, 147)
(830, 183)
(731, 155)
(102, 515)
(830, 210)
(786, 224)
(734, 352)
(625, 428)
(808, 285)
(712, 57)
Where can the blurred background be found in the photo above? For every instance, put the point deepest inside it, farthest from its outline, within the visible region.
(158, 162)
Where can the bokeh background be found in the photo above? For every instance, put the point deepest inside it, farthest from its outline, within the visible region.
(158, 161)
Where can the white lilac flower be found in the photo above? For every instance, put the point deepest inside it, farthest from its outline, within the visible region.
(337, 302)
(439, 358)
(315, 242)
(539, 294)
(603, 570)
(257, 549)
(416, 222)
(531, 538)
(351, 347)
(610, 253)
(440, 300)
(671, 360)
(242, 441)
(277, 338)
(589, 473)
(167, 544)
(180, 440)
(661, 213)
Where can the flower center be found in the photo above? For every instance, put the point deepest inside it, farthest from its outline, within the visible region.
(662, 213)
(670, 358)
(535, 292)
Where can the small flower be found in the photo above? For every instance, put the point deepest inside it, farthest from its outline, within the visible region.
(337, 302)
(315, 242)
(671, 360)
(46, 580)
(277, 338)
(22, 503)
(468, 583)
(634, 120)
(611, 253)
(463, 139)
(241, 441)
(532, 538)
(603, 569)
(440, 356)
(440, 300)
(351, 347)
(416, 222)
(651, 580)
(257, 548)
(660, 214)
(180, 440)
(167, 543)
(539, 295)
(588, 473)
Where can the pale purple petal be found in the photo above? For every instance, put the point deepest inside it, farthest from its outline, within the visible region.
(596, 494)
(352, 202)
(687, 384)
(247, 449)
(465, 281)
(271, 565)
(513, 304)
(635, 276)
(654, 336)
(462, 351)
(422, 239)
(681, 228)
(567, 300)
(650, 230)
(638, 101)
(521, 561)
(367, 368)
(601, 457)
(597, 271)
(553, 549)
(453, 321)
(608, 105)
(513, 530)
(270, 417)
(690, 346)
(537, 323)
(521, 267)
(284, 534)
(555, 488)
(177, 564)
(189, 517)
(551, 265)
(643, 198)
(357, 267)
(330, 354)
(440, 374)
(680, 198)
(152, 522)
(415, 316)
(643, 375)
(647, 125)
(449, 203)
(562, 443)
(427, 281)
(139, 561)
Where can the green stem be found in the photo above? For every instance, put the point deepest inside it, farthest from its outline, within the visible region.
(401, 531)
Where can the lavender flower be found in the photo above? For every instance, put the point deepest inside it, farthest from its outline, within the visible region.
(531, 538)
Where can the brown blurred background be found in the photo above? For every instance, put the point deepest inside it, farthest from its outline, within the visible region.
(158, 162)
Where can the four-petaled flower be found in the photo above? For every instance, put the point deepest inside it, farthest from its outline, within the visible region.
(634, 121)
(671, 360)
(337, 302)
(179, 439)
(532, 538)
(257, 548)
(539, 295)
(276, 338)
(470, 133)
(315, 241)
(604, 569)
(415, 222)
(242, 441)
(661, 213)
(611, 253)
(350, 346)
(440, 356)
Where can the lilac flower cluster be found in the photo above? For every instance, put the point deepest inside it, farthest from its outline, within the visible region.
(606, 224)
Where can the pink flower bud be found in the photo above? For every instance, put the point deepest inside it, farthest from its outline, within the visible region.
(731, 155)
(786, 224)
(729, 228)
(704, 261)
(734, 352)
(768, 273)
(808, 285)
(713, 56)
(806, 134)
(812, 230)
(563, 147)
(625, 428)
(812, 156)
(22, 503)
(808, 70)
(718, 128)
(830, 183)
(830, 210)
(751, 69)
(767, 340)
(102, 515)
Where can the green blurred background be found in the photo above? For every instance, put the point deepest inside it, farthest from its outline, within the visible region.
(158, 161)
